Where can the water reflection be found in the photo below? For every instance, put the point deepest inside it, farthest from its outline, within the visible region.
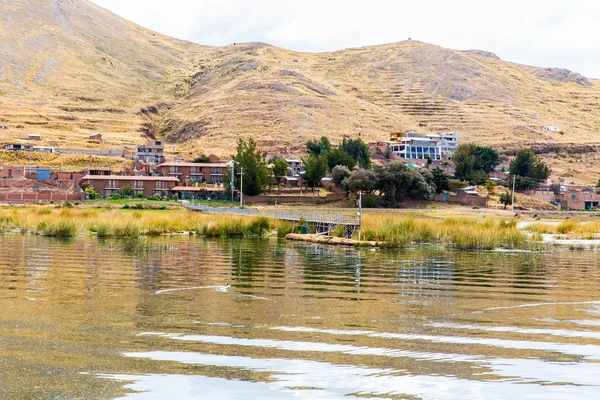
(269, 319)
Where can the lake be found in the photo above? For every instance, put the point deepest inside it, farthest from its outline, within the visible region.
(266, 319)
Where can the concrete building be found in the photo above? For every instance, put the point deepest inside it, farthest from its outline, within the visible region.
(18, 147)
(34, 136)
(153, 153)
(108, 185)
(191, 173)
(414, 146)
(296, 166)
(44, 149)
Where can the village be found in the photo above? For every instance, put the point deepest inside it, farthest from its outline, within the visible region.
(150, 173)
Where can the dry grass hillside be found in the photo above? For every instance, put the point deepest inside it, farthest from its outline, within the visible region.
(69, 68)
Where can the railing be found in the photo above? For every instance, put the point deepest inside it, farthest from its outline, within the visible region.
(333, 219)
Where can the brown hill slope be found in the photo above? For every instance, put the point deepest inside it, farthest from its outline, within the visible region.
(69, 68)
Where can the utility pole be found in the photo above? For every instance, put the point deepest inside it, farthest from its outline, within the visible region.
(242, 187)
(232, 180)
(513, 192)
(359, 213)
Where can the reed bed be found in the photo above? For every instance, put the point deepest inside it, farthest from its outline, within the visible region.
(569, 229)
(128, 224)
(458, 232)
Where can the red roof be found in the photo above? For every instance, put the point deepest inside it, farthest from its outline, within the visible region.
(129, 178)
(198, 189)
(176, 164)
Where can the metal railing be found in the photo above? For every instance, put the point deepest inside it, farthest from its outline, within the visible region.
(323, 218)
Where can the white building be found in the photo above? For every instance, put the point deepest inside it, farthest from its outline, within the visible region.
(414, 146)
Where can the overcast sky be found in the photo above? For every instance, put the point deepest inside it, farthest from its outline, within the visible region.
(548, 33)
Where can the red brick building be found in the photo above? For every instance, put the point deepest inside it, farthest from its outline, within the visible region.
(108, 185)
(189, 174)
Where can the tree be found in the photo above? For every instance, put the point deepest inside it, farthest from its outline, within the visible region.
(440, 179)
(339, 173)
(318, 147)
(396, 182)
(249, 159)
(506, 199)
(490, 187)
(202, 158)
(339, 157)
(358, 150)
(486, 159)
(528, 169)
(362, 180)
(464, 161)
(475, 163)
(280, 169)
(316, 168)
(598, 183)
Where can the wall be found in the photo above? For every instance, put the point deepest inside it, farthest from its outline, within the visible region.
(294, 199)
(23, 197)
(462, 200)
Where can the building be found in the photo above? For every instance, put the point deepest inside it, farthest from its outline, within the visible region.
(18, 147)
(43, 149)
(414, 146)
(96, 137)
(108, 185)
(9, 171)
(191, 173)
(203, 192)
(295, 166)
(100, 172)
(579, 200)
(34, 136)
(153, 153)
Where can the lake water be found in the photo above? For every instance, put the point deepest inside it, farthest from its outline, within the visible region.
(84, 319)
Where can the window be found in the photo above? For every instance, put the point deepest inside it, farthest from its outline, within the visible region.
(573, 196)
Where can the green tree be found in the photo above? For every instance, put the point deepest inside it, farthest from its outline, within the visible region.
(202, 158)
(528, 169)
(358, 150)
(339, 157)
(339, 173)
(397, 182)
(506, 199)
(362, 180)
(464, 162)
(318, 147)
(280, 169)
(315, 169)
(598, 183)
(475, 163)
(441, 180)
(486, 159)
(249, 160)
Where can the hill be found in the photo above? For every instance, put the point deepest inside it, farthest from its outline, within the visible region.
(70, 68)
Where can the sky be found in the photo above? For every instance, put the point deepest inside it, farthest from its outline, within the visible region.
(545, 33)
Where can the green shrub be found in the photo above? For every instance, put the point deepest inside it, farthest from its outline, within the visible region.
(369, 202)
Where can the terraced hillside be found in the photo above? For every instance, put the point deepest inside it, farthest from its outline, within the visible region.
(69, 68)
